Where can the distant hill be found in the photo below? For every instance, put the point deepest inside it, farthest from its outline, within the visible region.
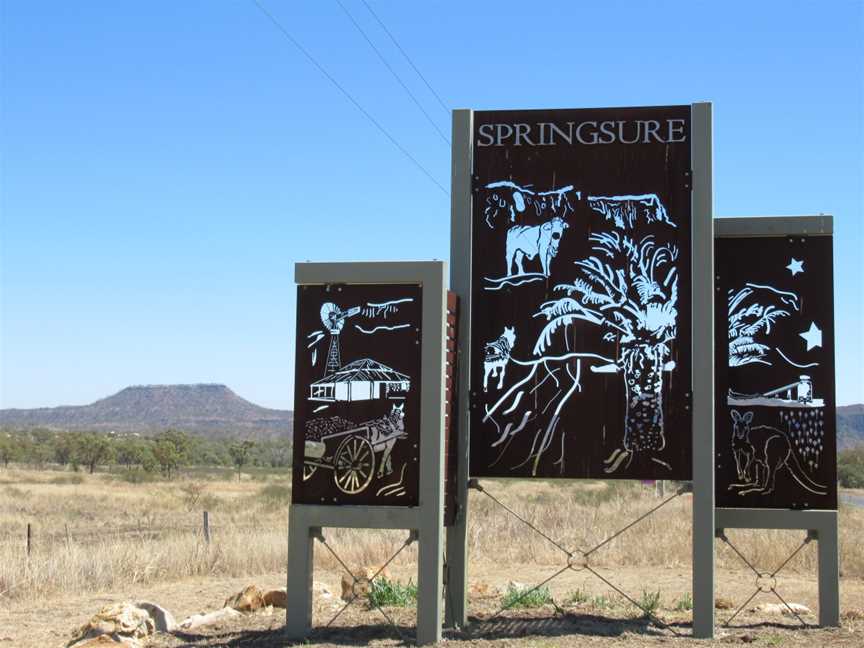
(850, 426)
(213, 410)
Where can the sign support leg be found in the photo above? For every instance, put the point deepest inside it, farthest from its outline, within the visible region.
(430, 607)
(703, 372)
(430, 568)
(298, 619)
(829, 574)
(460, 283)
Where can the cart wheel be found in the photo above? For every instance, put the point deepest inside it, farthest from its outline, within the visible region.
(354, 464)
(308, 471)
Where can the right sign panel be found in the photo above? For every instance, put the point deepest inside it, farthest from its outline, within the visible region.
(775, 436)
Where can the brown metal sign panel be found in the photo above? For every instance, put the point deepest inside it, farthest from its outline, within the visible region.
(357, 395)
(581, 307)
(775, 438)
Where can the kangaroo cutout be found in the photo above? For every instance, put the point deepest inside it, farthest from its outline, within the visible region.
(760, 452)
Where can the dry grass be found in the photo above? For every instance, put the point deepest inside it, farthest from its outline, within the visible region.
(161, 537)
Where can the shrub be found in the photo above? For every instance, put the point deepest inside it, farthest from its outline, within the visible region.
(384, 592)
(526, 597)
(191, 493)
(850, 475)
(577, 597)
(602, 602)
(649, 602)
(685, 603)
(850, 467)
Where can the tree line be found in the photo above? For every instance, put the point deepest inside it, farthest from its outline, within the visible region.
(167, 452)
(850, 467)
(162, 453)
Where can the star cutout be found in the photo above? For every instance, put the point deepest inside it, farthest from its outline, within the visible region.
(813, 336)
(795, 266)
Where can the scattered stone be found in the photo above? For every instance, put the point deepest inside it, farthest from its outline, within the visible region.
(364, 577)
(853, 615)
(516, 585)
(320, 589)
(352, 590)
(163, 620)
(198, 620)
(721, 603)
(120, 621)
(276, 598)
(779, 608)
(248, 599)
(748, 638)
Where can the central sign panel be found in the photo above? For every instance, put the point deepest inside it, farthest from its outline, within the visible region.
(581, 303)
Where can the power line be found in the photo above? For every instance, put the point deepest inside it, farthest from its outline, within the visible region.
(392, 71)
(348, 96)
(407, 58)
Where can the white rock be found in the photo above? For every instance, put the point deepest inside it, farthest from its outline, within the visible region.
(779, 608)
(118, 621)
(162, 618)
(198, 620)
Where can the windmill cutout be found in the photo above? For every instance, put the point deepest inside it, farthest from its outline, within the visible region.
(333, 319)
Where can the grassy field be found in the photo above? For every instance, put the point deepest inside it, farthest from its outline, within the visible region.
(101, 532)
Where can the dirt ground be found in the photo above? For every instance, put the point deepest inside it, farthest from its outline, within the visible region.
(612, 623)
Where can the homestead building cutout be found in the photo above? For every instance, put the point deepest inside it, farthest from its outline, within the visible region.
(364, 379)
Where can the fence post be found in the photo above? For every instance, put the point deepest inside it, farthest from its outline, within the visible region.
(29, 539)
(206, 527)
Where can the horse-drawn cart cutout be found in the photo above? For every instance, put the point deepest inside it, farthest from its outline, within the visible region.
(356, 454)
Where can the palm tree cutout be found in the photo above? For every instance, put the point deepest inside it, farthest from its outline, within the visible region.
(753, 310)
(628, 288)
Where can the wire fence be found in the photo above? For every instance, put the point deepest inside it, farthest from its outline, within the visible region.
(32, 545)
(31, 537)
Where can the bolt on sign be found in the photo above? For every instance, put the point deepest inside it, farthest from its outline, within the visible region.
(581, 305)
(357, 394)
(775, 439)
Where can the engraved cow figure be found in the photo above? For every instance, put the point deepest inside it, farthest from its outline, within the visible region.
(525, 241)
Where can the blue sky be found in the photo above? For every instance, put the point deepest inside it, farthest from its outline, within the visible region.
(164, 164)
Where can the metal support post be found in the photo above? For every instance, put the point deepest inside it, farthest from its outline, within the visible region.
(431, 564)
(298, 619)
(703, 370)
(829, 572)
(460, 283)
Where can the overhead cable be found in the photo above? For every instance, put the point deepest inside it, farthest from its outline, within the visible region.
(348, 96)
(407, 58)
(392, 71)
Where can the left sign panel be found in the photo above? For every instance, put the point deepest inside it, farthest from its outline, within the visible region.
(357, 394)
